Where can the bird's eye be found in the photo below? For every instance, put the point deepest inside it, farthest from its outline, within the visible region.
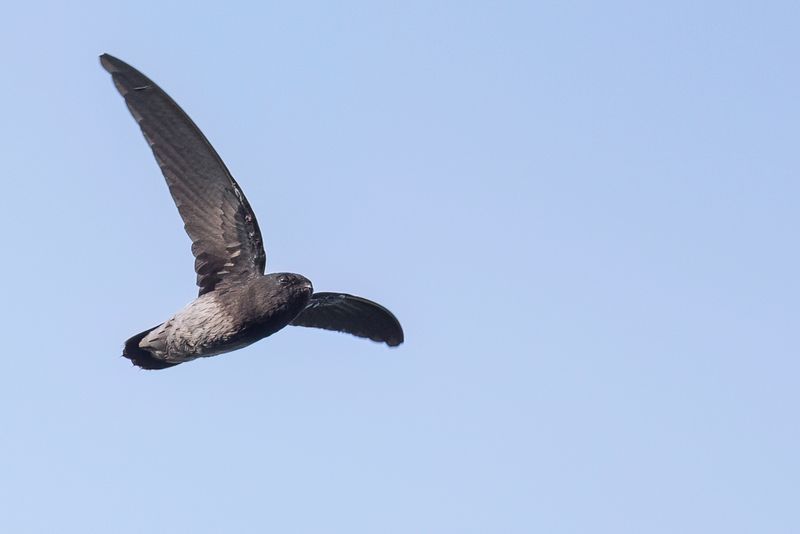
(283, 279)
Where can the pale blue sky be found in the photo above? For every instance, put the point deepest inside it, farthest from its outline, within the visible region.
(585, 215)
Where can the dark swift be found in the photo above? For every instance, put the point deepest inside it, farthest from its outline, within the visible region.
(238, 303)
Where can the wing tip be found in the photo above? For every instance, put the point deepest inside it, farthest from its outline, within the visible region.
(109, 62)
(396, 338)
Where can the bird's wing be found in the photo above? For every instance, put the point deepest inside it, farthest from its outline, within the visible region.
(226, 241)
(353, 315)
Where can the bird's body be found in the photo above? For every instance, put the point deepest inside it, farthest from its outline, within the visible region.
(238, 304)
(228, 319)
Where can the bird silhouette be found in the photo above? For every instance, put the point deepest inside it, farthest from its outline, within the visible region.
(238, 304)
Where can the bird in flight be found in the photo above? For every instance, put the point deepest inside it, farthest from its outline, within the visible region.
(238, 303)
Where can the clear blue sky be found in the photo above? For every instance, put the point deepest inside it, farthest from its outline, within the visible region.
(585, 215)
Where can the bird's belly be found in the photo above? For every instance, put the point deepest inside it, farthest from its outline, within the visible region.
(205, 327)
(202, 328)
(188, 341)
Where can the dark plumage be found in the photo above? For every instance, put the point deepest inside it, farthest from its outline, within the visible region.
(237, 304)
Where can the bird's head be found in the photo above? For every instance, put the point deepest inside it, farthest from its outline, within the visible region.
(283, 293)
(286, 284)
(291, 282)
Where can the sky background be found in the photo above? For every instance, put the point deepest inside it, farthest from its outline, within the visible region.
(584, 214)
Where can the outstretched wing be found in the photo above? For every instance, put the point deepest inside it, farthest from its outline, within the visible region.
(226, 241)
(353, 315)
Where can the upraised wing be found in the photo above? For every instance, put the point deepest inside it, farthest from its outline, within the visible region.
(352, 315)
(226, 241)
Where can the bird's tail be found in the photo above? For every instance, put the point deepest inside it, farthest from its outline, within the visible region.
(142, 357)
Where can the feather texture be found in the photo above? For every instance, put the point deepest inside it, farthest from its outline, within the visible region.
(353, 315)
(226, 240)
